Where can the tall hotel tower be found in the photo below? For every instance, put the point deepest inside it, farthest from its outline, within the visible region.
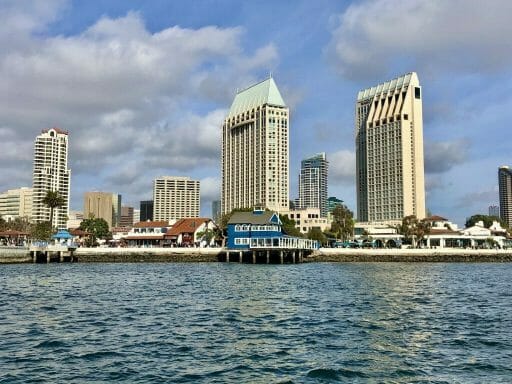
(255, 147)
(505, 191)
(51, 173)
(174, 198)
(313, 183)
(389, 151)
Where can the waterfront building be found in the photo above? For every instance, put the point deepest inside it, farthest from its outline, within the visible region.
(16, 203)
(147, 234)
(313, 183)
(389, 151)
(51, 173)
(126, 217)
(255, 150)
(191, 232)
(505, 192)
(146, 211)
(175, 198)
(104, 205)
(308, 218)
(262, 230)
(494, 210)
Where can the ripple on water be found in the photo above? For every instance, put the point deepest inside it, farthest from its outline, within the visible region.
(220, 323)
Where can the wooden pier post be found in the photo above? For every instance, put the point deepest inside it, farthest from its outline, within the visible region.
(47, 257)
(268, 257)
(281, 257)
(227, 257)
(254, 257)
(293, 257)
(240, 257)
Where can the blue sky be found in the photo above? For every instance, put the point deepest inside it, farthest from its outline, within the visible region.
(143, 87)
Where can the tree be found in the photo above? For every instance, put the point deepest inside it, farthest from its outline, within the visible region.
(486, 219)
(413, 229)
(317, 234)
(97, 227)
(53, 200)
(343, 222)
(289, 227)
(41, 231)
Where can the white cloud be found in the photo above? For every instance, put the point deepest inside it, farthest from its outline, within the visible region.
(132, 100)
(442, 156)
(426, 36)
(342, 167)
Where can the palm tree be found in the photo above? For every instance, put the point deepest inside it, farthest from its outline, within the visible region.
(53, 200)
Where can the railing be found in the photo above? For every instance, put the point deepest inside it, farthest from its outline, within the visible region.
(282, 243)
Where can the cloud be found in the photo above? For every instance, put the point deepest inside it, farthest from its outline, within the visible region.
(442, 156)
(133, 101)
(471, 36)
(342, 167)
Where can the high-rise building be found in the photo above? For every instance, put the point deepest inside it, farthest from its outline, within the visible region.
(51, 173)
(136, 216)
(505, 191)
(216, 211)
(255, 150)
(126, 217)
(333, 202)
(175, 198)
(389, 151)
(16, 203)
(313, 183)
(146, 210)
(103, 205)
(494, 210)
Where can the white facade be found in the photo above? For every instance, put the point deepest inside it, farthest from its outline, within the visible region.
(307, 219)
(175, 198)
(51, 173)
(255, 150)
(313, 183)
(389, 151)
(16, 203)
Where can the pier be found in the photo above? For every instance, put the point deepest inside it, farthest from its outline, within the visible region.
(41, 253)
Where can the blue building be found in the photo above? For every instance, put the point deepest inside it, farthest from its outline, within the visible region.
(260, 232)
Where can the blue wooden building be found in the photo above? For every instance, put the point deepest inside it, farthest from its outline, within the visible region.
(259, 233)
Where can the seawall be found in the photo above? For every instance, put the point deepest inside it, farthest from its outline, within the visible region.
(11, 255)
(446, 255)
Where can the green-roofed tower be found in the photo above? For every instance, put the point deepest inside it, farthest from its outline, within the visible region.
(255, 150)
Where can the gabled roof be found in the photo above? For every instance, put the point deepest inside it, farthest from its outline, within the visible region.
(264, 92)
(255, 217)
(151, 224)
(186, 226)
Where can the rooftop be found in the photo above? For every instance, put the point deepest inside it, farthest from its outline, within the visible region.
(399, 82)
(264, 92)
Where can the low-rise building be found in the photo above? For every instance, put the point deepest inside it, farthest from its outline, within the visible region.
(307, 219)
(147, 234)
(198, 232)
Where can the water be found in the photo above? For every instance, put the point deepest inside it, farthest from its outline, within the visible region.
(232, 323)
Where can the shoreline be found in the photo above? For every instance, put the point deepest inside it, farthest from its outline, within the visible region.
(11, 255)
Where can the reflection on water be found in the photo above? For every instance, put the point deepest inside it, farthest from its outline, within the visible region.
(232, 323)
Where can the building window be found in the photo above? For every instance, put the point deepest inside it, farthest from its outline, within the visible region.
(417, 93)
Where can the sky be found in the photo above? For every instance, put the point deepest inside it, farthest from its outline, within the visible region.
(142, 87)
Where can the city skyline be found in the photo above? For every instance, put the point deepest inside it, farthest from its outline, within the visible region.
(142, 88)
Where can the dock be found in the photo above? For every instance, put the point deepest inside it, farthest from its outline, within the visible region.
(41, 253)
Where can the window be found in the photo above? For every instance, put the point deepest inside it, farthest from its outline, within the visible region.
(417, 93)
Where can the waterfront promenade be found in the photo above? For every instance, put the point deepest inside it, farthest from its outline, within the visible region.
(87, 255)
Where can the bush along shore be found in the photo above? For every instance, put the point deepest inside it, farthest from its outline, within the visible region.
(11, 255)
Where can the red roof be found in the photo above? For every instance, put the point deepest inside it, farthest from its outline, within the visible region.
(435, 218)
(78, 232)
(151, 224)
(186, 226)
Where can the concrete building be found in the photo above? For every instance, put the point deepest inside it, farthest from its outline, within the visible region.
(75, 218)
(255, 150)
(136, 216)
(313, 183)
(16, 203)
(104, 205)
(126, 217)
(389, 151)
(51, 173)
(505, 191)
(175, 198)
(307, 219)
(146, 211)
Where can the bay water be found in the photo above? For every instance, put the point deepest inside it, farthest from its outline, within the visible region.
(240, 323)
